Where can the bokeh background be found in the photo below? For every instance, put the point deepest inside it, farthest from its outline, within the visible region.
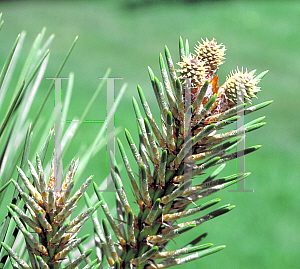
(127, 36)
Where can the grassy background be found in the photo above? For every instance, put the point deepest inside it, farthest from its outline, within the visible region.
(263, 230)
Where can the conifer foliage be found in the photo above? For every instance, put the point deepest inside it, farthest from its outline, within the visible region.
(167, 177)
(50, 210)
(169, 159)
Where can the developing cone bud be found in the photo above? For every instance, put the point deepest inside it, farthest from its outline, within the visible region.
(210, 53)
(192, 68)
(241, 86)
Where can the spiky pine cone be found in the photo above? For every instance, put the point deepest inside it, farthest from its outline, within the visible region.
(169, 158)
(49, 210)
(192, 68)
(240, 83)
(210, 53)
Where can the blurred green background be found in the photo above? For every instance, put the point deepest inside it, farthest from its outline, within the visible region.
(263, 230)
